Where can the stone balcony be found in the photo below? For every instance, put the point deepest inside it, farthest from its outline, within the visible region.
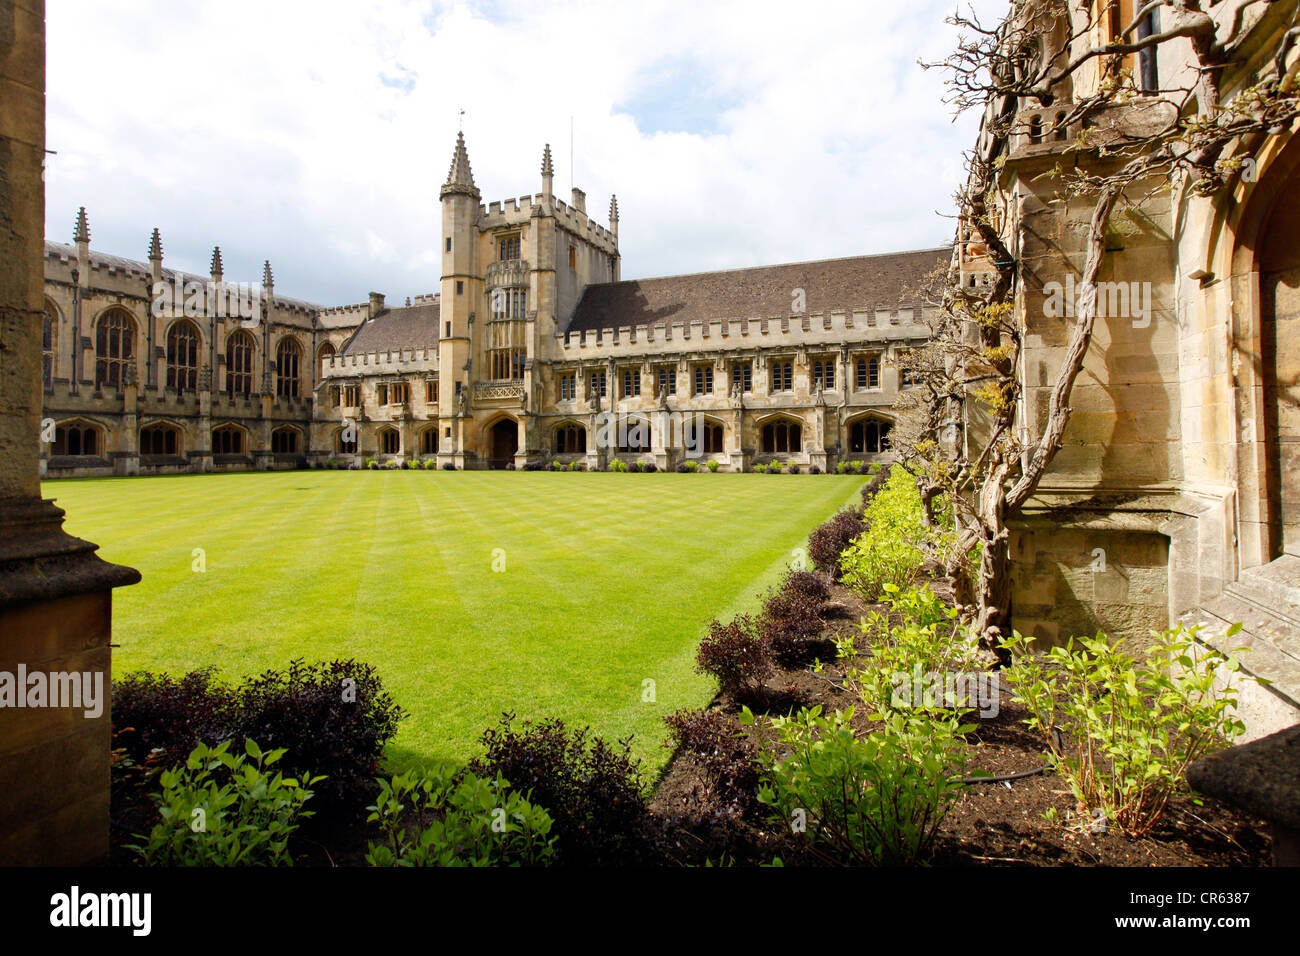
(498, 391)
(506, 274)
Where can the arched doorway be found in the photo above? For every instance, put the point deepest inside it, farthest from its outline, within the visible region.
(1279, 293)
(503, 442)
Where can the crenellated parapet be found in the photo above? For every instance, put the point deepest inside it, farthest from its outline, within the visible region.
(826, 329)
(391, 362)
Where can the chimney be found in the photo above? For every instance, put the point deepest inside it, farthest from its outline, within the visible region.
(579, 200)
(376, 303)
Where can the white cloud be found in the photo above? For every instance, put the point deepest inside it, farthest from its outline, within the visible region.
(316, 134)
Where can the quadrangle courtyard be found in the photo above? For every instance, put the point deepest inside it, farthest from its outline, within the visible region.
(472, 593)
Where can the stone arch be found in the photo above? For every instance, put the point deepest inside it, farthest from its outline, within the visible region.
(183, 346)
(1265, 277)
(79, 436)
(868, 433)
(51, 320)
(161, 437)
(569, 437)
(286, 440)
(781, 434)
(230, 438)
(501, 440)
(114, 333)
(389, 438)
(241, 363)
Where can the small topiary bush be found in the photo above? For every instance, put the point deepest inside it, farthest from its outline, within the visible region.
(736, 656)
(592, 790)
(760, 469)
(727, 758)
(831, 539)
(688, 467)
(449, 466)
(575, 466)
(713, 466)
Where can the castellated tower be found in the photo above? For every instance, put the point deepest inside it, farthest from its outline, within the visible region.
(512, 275)
(462, 288)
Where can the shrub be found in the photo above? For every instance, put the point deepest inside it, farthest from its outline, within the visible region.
(793, 469)
(334, 718)
(460, 820)
(617, 465)
(575, 466)
(372, 464)
(171, 714)
(874, 800)
(831, 539)
(592, 790)
(1135, 724)
(896, 541)
(449, 466)
(224, 809)
(774, 468)
(760, 469)
(792, 623)
(430, 464)
(806, 583)
(928, 638)
(688, 467)
(727, 758)
(713, 466)
(815, 470)
(736, 655)
(649, 467)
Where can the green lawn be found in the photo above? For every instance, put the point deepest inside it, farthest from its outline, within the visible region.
(608, 581)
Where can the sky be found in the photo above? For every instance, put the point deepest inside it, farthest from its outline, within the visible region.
(316, 133)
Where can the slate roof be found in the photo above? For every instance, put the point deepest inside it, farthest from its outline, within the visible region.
(64, 250)
(404, 327)
(860, 282)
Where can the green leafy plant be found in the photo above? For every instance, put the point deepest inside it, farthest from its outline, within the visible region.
(917, 634)
(460, 819)
(712, 466)
(1129, 727)
(896, 543)
(876, 799)
(226, 809)
(760, 469)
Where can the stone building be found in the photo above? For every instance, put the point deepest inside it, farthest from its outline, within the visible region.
(1176, 492)
(531, 351)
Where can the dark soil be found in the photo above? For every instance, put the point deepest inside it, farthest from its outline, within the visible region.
(998, 823)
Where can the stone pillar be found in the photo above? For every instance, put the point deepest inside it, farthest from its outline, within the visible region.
(55, 594)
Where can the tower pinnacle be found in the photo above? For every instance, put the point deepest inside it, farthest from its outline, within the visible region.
(82, 231)
(460, 178)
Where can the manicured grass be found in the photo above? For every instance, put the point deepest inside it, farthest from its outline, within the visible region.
(609, 580)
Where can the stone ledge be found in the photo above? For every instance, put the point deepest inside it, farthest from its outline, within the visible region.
(39, 561)
(1261, 777)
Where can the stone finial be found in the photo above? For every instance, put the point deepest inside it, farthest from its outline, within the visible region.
(460, 178)
(82, 231)
(613, 210)
(216, 264)
(547, 168)
(155, 246)
(268, 280)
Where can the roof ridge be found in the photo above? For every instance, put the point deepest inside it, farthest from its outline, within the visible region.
(777, 265)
